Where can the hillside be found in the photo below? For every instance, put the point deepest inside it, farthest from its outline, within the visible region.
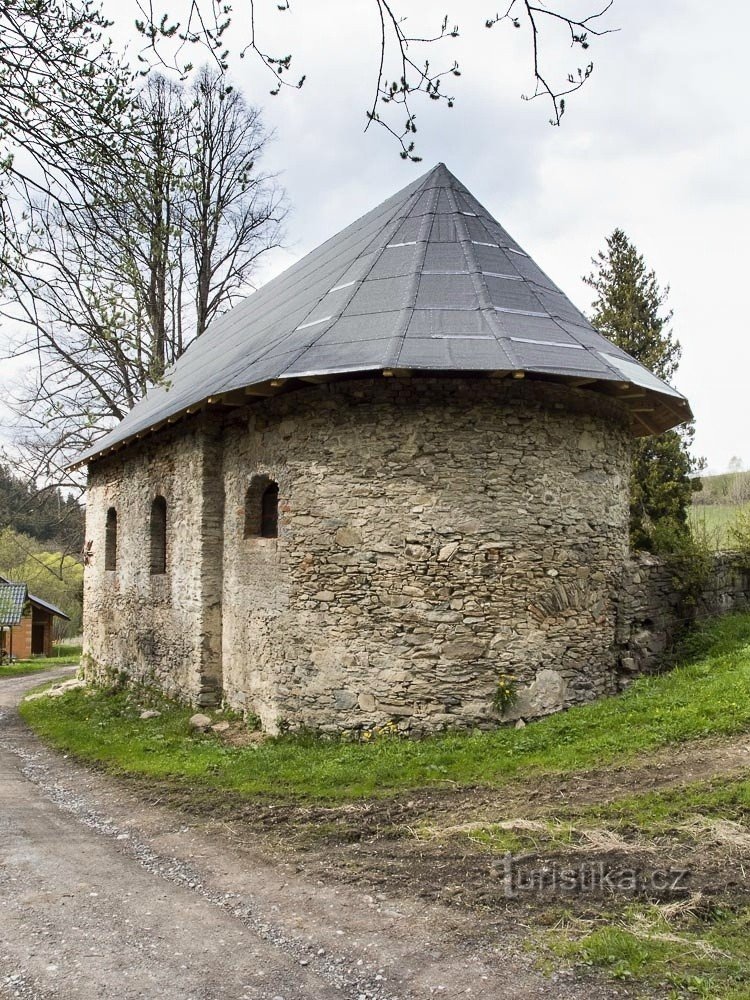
(716, 505)
(728, 488)
(49, 573)
(41, 513)
(41, 534)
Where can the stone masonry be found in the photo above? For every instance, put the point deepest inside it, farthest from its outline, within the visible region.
(435, 535)
(654, 611)
(163, 630)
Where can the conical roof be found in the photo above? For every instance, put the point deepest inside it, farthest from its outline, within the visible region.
(427, 282)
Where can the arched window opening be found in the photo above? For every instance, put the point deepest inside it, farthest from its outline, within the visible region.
(269, 511)
(110, 540)
(262, 508)
(158, 534)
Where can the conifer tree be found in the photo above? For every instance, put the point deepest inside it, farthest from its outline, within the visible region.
(630, 311)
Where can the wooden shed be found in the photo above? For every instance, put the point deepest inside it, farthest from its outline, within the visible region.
(25, 622)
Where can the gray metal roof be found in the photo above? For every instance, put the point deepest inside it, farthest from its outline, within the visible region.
(428, 281)
(12, 601)
(45, 605)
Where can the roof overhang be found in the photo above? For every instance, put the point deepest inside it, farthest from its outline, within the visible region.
(427, 283)
(651, 412)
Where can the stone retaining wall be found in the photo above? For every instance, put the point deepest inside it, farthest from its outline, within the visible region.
(654, 610)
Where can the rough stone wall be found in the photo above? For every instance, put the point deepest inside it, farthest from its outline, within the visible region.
(162, 629)
(435, 534)
(654, 611)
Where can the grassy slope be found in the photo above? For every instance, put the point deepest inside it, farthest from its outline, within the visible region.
(721, 488)
(67, 657)
(704, 950)
(710, 959)
(716, 506)
(709, 694)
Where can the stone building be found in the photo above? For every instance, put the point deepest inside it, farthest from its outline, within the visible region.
(391, 478)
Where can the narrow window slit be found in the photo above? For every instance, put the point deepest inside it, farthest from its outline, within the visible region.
(158, 536)
(110, 540)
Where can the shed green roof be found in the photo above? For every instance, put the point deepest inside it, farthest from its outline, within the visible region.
(13, 597)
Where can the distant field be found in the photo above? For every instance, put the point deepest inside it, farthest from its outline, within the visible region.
(717, 504)
(712, 522)
(730, 488)
(70, 649)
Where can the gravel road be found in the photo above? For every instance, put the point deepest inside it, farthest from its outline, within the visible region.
(105, 896)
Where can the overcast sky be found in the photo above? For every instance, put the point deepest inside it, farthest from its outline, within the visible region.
(657, 143)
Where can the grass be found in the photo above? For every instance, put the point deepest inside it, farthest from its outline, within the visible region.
(647, 815)
(696, 956)
(681, 816)
(695, 947)
(709, 694)
(712, 522)
(727, 487)
(655, 813)
(62, 650)
(65, 656)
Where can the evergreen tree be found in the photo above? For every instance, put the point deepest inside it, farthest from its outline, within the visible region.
(45, 514)
(630, 311)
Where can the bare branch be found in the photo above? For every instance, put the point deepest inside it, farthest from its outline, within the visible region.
(111, 289)
(579, 31)
(209, 20)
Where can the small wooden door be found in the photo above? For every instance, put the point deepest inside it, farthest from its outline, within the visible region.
(38, 637)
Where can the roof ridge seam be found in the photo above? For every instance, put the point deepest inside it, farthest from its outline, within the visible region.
(393, 218)
(589, 348)
(604, 359)
(407, 312)
(304, 259)
(533, 289)
(483, 294)
(288, 336)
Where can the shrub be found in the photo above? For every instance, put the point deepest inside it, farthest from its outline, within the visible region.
(739, 532)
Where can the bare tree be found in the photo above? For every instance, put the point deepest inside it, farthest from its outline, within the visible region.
(227, 213)
(136, 218)
(208, 23)
(117, 286)
(61, 86)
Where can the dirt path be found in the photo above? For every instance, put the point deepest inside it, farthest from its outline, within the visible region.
(420, 843)
(102, 895)
(441, 806)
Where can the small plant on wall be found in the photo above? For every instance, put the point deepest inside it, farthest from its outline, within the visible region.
(505, 693)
